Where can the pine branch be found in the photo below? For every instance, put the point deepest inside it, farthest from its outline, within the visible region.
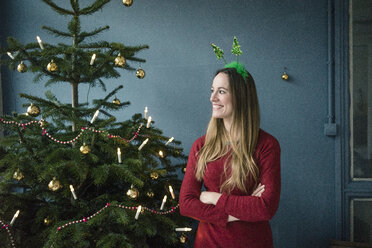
(58, 9)
(83, 35)
(97, 5)
(56, 32)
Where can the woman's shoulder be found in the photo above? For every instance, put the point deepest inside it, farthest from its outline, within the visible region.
(199, 142)
(266, 140)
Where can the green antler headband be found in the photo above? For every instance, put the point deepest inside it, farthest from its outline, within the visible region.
(235, 64)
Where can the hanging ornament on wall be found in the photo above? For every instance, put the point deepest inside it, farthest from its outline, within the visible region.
(133, 193)
(116, 101)
(52, 66)
(47, 221)
(22, 67)
(140, 73)
(18, 175)
(84, 149)
(128, 3)
(120, 61)
(183, 238)
(150, 194)
(33, 110)
(54, 185)
(285, 75)
(154, 175)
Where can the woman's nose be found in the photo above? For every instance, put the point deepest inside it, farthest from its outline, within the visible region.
(213, 97)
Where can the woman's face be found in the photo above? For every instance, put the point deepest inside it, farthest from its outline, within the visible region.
(221, 98)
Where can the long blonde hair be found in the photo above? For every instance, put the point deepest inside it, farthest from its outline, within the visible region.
(240, 168)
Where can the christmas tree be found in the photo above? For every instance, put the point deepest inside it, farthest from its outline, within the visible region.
(71, 175)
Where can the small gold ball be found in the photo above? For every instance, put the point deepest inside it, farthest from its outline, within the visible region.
(127, 3)
(33, 110)
(84, 149)
(22, 67)
(140, 73)
(47, 221)
(183, 239)
(120, 61)
(184, 169)
(285, 76)
(116, 101)
(18, 175)
(52, 66)
(154, 175)
(150, 194)
(133, 193)
(54, 185)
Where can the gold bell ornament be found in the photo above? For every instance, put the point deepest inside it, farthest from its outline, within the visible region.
(133, 193)
(285, 76)
(140, 73)
(127, 3)
(52, 66)
(150, 194)
(120, 61)
(18, 175)
(84, 149)
(154, 175)
(33, 110)
(22, 67)
(54, 185)
(183, 238)
(116, 101)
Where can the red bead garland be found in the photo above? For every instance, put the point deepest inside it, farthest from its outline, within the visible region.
(6, 227)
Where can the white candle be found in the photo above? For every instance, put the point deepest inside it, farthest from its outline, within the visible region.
(73, 192)
(40, 42)
(169, 141)
(10, 55)
(92, 59)
(139, 208)
(143, 144)
(146, 111)
(161, 154)
(163, 203)
(94, 116)
(14, 217)
(183, 229)
(119, 155)
(171, 191)
(148, 122)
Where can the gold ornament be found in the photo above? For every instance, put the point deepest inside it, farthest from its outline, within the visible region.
(133, 193)
(120, 61)
(116, 101)
(285, 76)
(33, 110)
(183, 238)
(52, 66)
(47, 221)
(127, 3)
(184, 169)
(54, 185)
(22, 67)
(140, 73)
(154, 175)
(84, 149)
(150, 194)
(18, 175)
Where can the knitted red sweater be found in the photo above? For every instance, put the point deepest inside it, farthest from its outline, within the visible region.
(253, 228)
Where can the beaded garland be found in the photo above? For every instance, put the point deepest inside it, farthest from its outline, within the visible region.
(6, 227)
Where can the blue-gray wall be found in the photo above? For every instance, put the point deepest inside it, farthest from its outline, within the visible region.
(180, 64)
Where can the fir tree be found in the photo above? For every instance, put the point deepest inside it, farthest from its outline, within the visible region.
(42, 155)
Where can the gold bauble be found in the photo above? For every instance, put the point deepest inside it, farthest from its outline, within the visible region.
(184, 169)
(47, 221)
(140, 73)
(154, 175)
(22, 67)
(84, 149)
(120, 61)
(52, 66)
(54, 185)
(127, 3)
(133, 193)
(183, 238)
(285, 76)
(150, 194)
(33, 110)
(18, 175)
(116, 101)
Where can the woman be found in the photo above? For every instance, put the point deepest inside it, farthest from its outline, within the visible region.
(239, 165)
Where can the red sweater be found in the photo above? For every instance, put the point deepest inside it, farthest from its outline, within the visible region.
(253, 228)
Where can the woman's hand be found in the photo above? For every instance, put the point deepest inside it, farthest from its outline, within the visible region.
(259, 190)
(209, 197)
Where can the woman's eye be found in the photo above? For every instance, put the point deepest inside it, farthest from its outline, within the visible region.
(222, 92)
